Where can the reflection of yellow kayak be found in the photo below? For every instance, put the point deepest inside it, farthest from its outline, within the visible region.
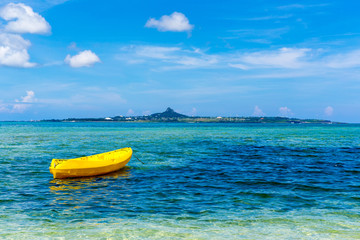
(91, 165)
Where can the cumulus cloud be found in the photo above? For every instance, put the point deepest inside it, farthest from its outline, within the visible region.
(285, 112)
(30, 97)
(258, 112)
(329, 111)
(13, 47)
(84, 59)
(176, 22)
(19, 106)
(25, 102)
(13, 51)
(22, 19)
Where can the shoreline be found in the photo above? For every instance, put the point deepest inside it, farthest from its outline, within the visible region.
(177, 121)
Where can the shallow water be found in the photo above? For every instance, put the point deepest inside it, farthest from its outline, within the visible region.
(199, 181)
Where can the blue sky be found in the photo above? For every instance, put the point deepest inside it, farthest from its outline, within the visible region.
(78, 58)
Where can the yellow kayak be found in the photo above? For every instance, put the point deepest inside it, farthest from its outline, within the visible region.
(91, 165)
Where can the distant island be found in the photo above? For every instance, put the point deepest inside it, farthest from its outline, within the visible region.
(171, 116)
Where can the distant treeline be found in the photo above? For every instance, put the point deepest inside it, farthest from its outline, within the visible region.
(171, 116)
(195, 120)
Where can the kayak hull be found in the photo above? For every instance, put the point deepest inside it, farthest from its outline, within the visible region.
(91, 165)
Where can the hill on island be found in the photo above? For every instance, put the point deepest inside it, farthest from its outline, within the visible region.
(169, 113)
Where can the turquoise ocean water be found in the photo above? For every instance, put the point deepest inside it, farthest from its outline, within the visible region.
(199, 181)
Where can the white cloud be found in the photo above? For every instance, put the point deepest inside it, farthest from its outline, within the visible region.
(345, 60)
(203, 61)
(295, 58)
(155, 51)
(282, 58)
(292, 6)
(258, 112)
(30, 97)
(176, 22)
(13, 51)
(263, 35)
(293, 62)
(173, 57)
(22, 19)
(301, 6)
(40, 5)
(238, 65)
(271, 17)
(20, 105)
(13, 47)
(84, 59)
(329, 111)
(285, 112)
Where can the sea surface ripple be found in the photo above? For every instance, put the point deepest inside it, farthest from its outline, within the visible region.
(199, 181)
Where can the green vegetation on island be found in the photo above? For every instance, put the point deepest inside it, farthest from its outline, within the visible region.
(171, 116)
